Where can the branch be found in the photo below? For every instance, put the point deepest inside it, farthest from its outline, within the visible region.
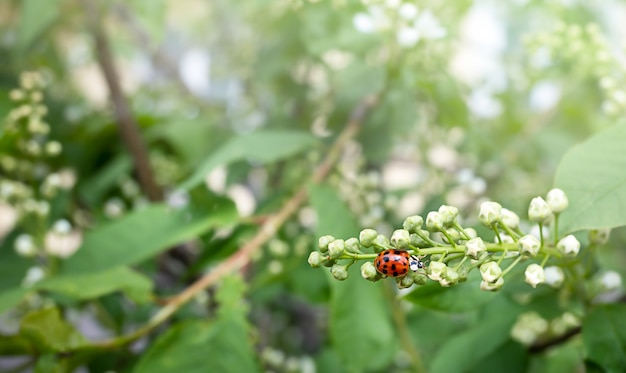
(129, 130)
(544, 345)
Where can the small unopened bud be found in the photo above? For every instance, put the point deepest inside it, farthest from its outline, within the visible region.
(471, 232)
(528, 328)
(557, 200)
(554, 276)
(419, 278)
(401, 239)
(436, 270)
(490, 272)
(418, 241)
(534, 275)
(610, 281)
(539, 211)
(434, 221)
(413, 223)
(490, 213)
(340, 272)
(25, 245)
(453, 235)
(529, 244)
(369, 272)
(367, 237)
(492, 286)
(381, 240)
(450, 277)
(475, 247)
(568, 245)
(448, 214)
(316, 259)
(352, 245)
(323, 242)
(509, 218)
(336, 248)
(405, 282)
(599, 236)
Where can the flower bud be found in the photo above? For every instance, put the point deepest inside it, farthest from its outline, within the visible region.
(509, 218)
(418, 278)
(568, 245)
(316, 259)
(323, 242)
(557, 200)
(369, 272)
(534, 275)
(434, 221)
(599, 236)
(400, 239)
(505, 238)
(448, 214)
(352, 245)
(492, 286)
(490, 213)
(340, 272)
(554, 276)
(610, 281)
(25, 245)
(418, 241)
(539, 211)
(436, 270)
(528, 327)
(367, 237)
(381, 240)
(475, 247)
(471, 232)
(454, 235)
(529, 244)
(450, 277)
(413, 223)
(336, 248)
(490, 272)
(405, 282)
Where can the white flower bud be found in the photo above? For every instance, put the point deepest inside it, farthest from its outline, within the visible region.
(475, 247)
(405, 282)
(599, 236)
(529, 244)
(434, 221)
(323, 242)
(381, 240)
(539, 211)
(557, 200)
(336, 248)
(340, 272)
(367, 237)
(490, 213)
(448, 214)
(490, 272)
(8, 218)
(401, 239)
(509, 218)
(610, 281)
(568, 245)
(413, 223)
(315, 259)
(369, 272)
(352, 245)
(554, 276)
(450, 277)
(436, 270)
(492, 286)
(25, 245)
(534, 275)
(528, 328)
(506, 238)
(33, 275)
(61, 244)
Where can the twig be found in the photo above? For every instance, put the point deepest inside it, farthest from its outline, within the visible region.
(544, 345)
(129, 130)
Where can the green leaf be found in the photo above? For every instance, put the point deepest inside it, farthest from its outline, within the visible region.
(93, 285)
(35, 17)
(48, 332)
(9, 298)
(592, 175)
(261, 146)
(463, 297)
(94, 189)
(200, 346)
(604, 337)
(334, 218)
(144, 234)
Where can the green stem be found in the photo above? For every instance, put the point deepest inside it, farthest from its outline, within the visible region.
(494, 227)
(545, 260)
(510, 232)
(456, 268)
(450, 240)
(512, 265)
(556, 228)
(427, 239)
(461, 230)
(541, 233)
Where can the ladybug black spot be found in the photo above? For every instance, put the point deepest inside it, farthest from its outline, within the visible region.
(395, 274)
(384, 271)
(386, 252)
(386, 259)
(393, 267)
(397, 252)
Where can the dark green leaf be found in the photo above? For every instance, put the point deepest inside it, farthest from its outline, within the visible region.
(262, 146)
(144, 234)
(94, 189)
(35, 17)
(93, 285)
(604, 336)
(48, 332)
(463, 297)
(592, 175)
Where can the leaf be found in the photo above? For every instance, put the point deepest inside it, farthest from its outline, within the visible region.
(9, 298)
(261, 146)
(604, 337)
(592, 175)
(354, 301)
(144, 234)
(48, 332)
(35, 17)
(200, 346)
(93, 285)
(94, 189)
(463, 297)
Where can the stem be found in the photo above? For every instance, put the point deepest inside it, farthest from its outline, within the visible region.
(556, 229)
(450, 240)
(461, 230)
(541, 233)
(427, 239)
(456, 268)
(512, 265)
(510, 232)
(545, 260)
(494, 227)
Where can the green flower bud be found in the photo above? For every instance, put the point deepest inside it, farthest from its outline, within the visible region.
(475, 247)
(529, 244)
(367, 237)
(463, 272)
(450, 277)
(509, 218)
(418, 241)
(323, 242)
(413, 223)
(401, 239)
(568, 245)
(557, 200)
(489, 213)
(381, 240)
(448, 214)
(539, 211)
(454, 235)
(490, 272)
(534, 275)
(554, 276)
(369, 272)
(471, 232)
(492, 286)
(436, 270)
(340, 272)
(528, 328)
(599, 236)
(352, 245)
(405, 282)
(418, 278)
(434, 221)
(316, 259)
(336, 248)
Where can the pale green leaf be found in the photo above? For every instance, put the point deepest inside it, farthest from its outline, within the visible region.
(9, 298)
(35, 17)
(48, 332)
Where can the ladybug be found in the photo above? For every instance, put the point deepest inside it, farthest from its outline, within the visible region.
(397, 263)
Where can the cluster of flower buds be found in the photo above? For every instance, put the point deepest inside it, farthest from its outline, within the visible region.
(440, 249)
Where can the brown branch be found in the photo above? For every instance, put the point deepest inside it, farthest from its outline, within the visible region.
(129, 130)
(540, 347)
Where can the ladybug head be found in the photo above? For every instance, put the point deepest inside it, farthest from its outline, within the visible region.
(415, 263)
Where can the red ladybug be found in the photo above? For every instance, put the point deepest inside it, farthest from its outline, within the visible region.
(397, 263)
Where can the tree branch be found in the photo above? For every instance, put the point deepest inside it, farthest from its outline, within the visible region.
(544, 345)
